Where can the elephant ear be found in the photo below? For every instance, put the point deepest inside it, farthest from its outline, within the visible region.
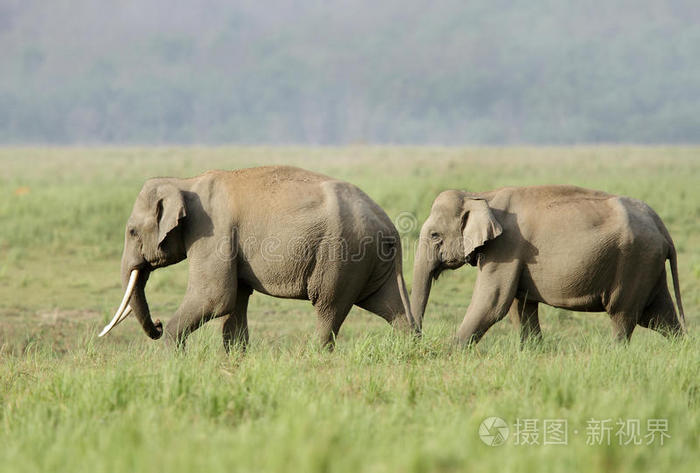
(170, 209)
(479, 227)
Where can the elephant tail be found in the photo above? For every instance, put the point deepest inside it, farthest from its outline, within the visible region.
(673, 259)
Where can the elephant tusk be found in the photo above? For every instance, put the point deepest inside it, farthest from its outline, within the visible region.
(125, 314)
(123, 309)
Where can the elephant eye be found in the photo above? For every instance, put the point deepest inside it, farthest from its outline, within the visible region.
(132, 232)
(435, 235)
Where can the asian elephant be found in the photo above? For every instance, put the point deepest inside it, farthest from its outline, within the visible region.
(563, 246)
(278, 230)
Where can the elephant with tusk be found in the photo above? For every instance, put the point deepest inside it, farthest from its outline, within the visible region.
(277, 230)
(563, 246)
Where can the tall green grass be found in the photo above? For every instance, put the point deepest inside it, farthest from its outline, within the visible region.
(380, 402)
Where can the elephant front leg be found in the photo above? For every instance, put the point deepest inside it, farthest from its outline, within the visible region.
(191, 315)
(235, 327)
(524, 314)
(493, 296)
(211, 293)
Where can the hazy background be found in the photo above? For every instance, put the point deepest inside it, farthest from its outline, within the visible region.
(339, 72)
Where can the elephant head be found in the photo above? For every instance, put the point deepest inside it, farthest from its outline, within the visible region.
(459, 224)
(153, 239)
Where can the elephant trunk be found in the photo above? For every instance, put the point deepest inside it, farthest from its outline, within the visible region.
(422, 282)
(135, 273)
(139, 306)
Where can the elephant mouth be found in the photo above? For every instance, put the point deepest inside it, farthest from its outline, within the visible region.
(452, 264)
(155, 263)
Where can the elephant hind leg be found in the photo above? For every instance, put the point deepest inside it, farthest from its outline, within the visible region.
(330, 317)
(234, 329)
(387, 303)
(623, 324)
(660, 314)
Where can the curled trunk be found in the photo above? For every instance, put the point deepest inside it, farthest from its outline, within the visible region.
(139, 305)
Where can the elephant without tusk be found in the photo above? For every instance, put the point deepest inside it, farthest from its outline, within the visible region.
(563, 246)
(278, 230)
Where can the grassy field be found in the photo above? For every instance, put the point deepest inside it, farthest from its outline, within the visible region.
(379, 403)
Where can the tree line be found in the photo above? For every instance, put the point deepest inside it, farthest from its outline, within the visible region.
(340, 72)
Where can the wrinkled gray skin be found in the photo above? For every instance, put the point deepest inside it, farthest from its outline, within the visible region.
(563, 246)
(281, 231)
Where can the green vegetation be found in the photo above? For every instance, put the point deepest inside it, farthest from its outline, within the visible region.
(396, 71)
(72, 402)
